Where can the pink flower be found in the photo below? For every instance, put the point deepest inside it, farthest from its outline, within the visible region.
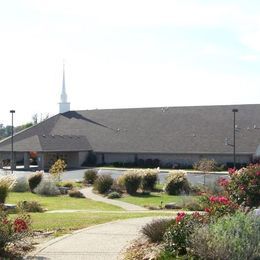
(221, 199)
(231, 171)
(223, 182)
(180, 216)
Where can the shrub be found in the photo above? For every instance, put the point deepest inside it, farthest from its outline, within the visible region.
(21, 185)
(6, 183)
(132, 180)
(231, 237)
(119, 184)
(75, 194)
(103, 183)
(177, 183)
(155, 230)
(12, 230)
(244, 185)
(57, 169)
(149, 179)
(29, 206)
(114, 195)
(47, 187)
(177, 236)
(90, 176)
(34, 180)
(218, 206)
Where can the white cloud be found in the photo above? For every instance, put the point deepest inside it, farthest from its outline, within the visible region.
(139, 13)
(248, 58)
(252, 40)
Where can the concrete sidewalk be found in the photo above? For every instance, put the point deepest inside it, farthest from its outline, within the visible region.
(88, 193)
(101, 242)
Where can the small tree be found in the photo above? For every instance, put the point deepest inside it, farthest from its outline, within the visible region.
(205, 165)
(57, 169)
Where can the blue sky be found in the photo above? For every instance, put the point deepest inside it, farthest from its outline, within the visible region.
(121, 53)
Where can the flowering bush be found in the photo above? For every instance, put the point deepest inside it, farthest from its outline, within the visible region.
(218, 206)
(244, 185)
(12, 230)
(176, 237)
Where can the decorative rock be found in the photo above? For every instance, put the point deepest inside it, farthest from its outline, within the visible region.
(172, 206)
(9, 206)
(64, 190)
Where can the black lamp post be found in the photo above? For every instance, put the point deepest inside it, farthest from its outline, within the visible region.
(12, 141)
(234, 136)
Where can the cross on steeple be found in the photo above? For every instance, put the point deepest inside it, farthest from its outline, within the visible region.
(64, 104)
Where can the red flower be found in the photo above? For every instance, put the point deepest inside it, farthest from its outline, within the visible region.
(213, 199)
(180, 216)
(20, 225)
(208, 210)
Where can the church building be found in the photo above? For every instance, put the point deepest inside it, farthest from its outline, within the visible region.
(165, 136)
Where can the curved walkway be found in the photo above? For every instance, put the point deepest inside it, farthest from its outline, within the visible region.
(88, 193)
(101, 242)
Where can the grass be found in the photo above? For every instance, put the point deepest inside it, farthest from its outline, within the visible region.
(62, 223)
(67, 222)
(154, 199)
(60, 202)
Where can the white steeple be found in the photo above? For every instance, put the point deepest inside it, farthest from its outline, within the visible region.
(64, 105)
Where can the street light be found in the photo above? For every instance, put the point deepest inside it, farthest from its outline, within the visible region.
(12, 141)
(234, 137)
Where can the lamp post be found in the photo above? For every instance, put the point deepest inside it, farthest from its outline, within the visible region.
(12, 141)
(234, 136)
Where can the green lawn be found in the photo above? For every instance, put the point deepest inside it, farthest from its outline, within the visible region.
(63, 223)
(155, 199)
(66, 222)
(60, 202)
